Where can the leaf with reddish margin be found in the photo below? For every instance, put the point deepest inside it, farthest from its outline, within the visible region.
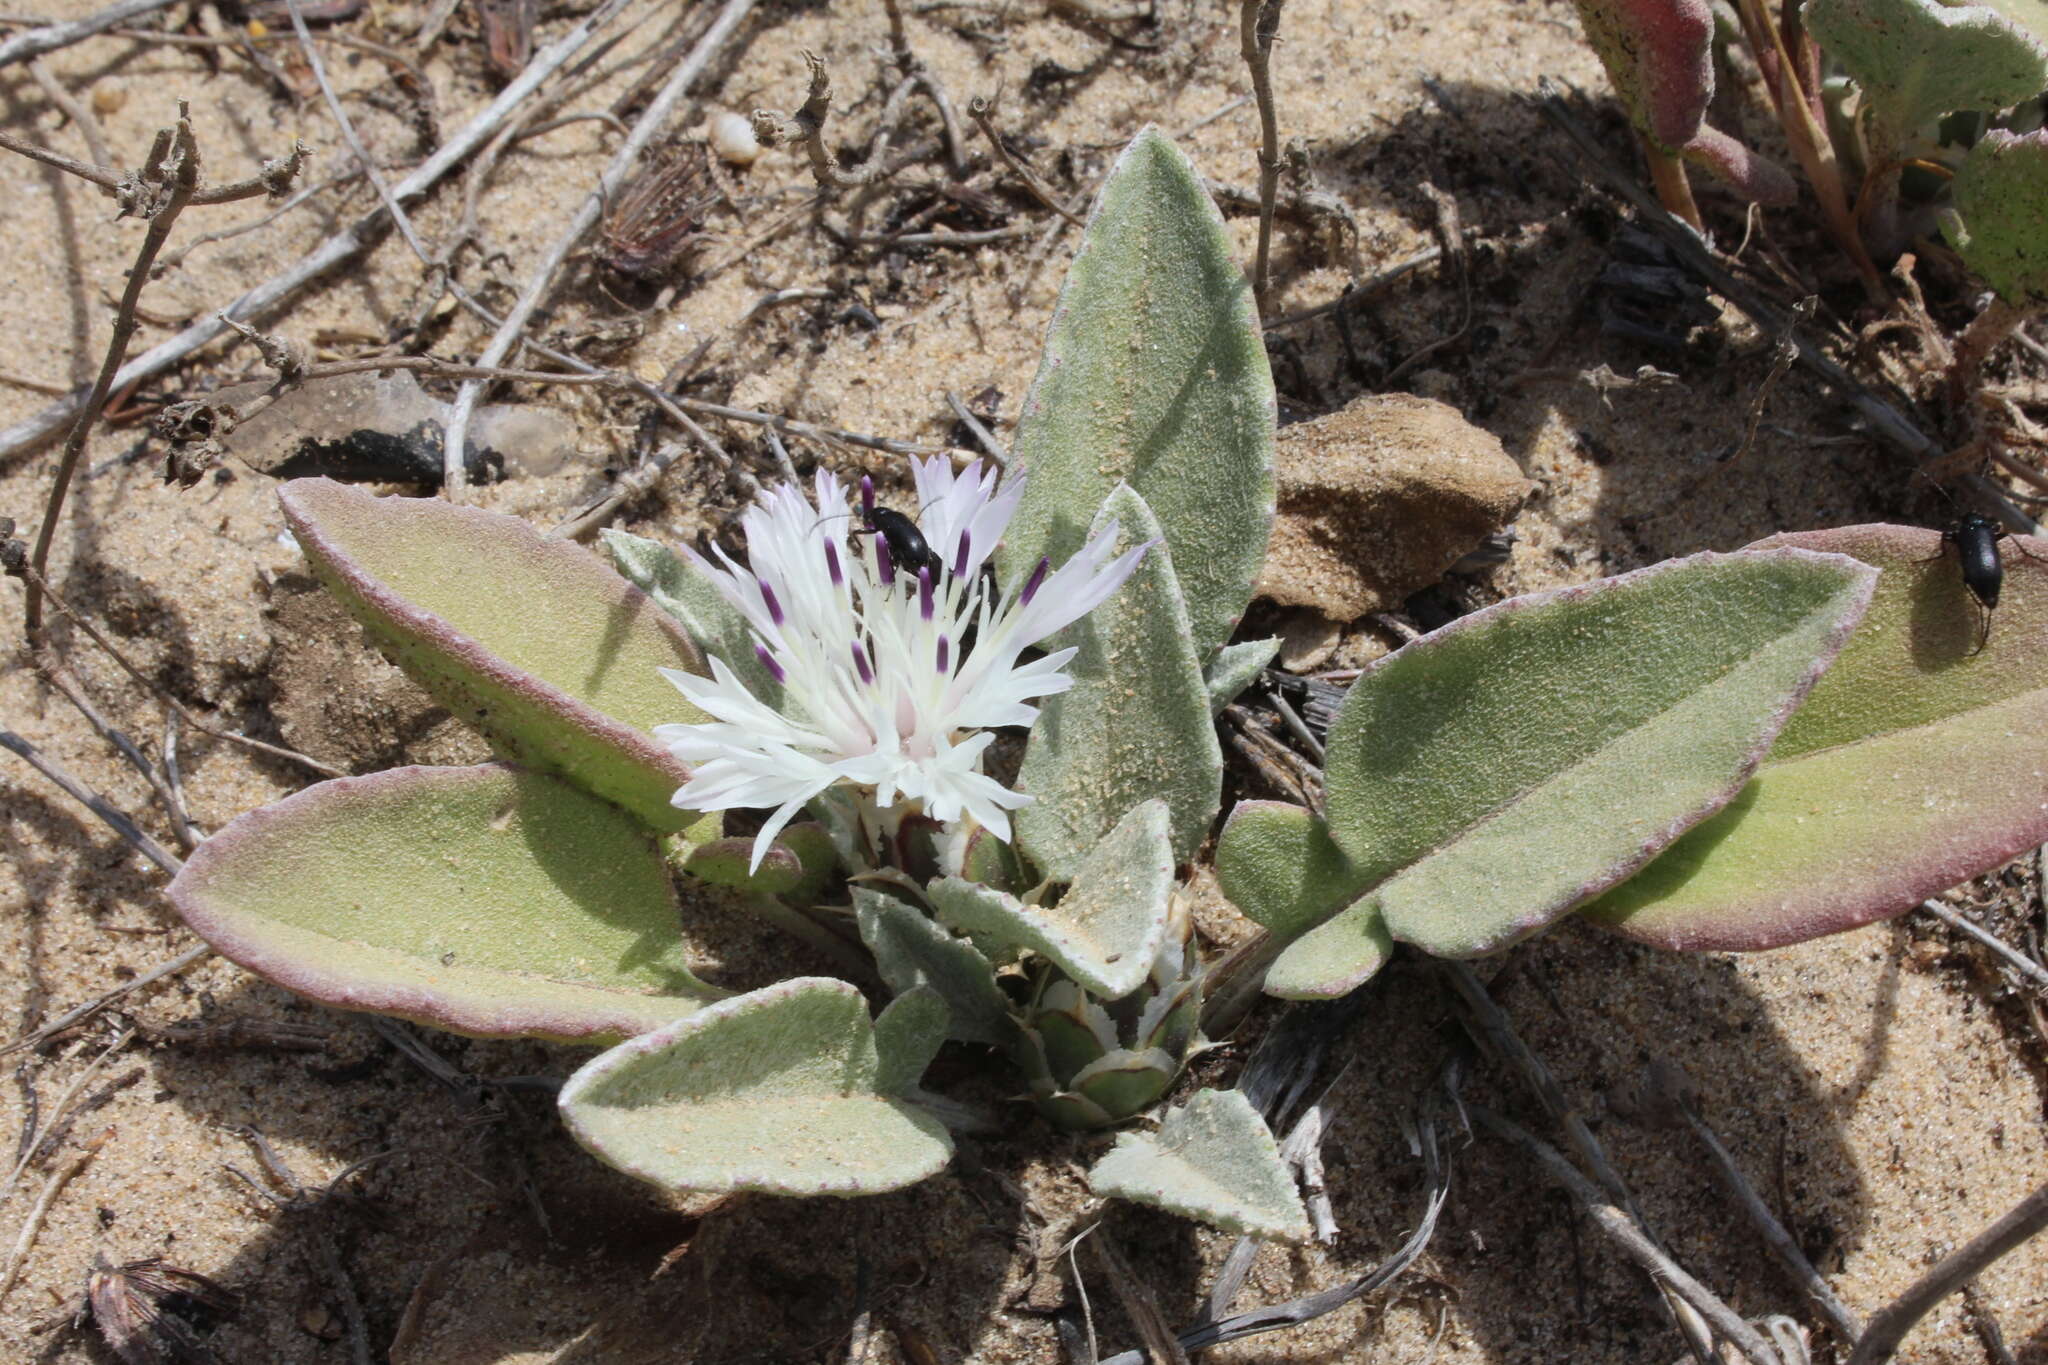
(1496, 774)
(1659, 57)
(1913, 765)
(533, 641)
(779, 1090)
(486, 901)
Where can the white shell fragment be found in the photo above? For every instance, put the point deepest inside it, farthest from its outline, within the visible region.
(732, 137)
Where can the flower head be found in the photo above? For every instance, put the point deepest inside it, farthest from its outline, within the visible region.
(892, 675)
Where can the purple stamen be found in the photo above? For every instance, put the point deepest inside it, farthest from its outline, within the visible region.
(945, 654)
(832, 563)
(867, 497)
(1036, 581)
(924, 592)
(860, 664)
(886, 564)
(768, 662)
(960, 560)
(768, 597)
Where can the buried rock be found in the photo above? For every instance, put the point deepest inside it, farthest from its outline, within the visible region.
(1378, 499)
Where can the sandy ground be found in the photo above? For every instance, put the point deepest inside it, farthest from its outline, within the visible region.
(1883, 1089)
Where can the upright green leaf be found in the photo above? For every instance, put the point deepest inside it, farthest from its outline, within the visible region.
(776, 1090)
(1493, 775)
(2001, 197)
(487, 901)
(533, 641)
(1154, 374)
(1134, 726)
(1914, 764)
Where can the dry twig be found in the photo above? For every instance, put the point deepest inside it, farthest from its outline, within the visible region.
(334, 250)
(651, 122)
(34, 43)
(1890, 1325)
(1258, 25)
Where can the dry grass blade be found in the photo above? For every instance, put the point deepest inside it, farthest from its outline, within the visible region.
(139, 1308)
(34, 43)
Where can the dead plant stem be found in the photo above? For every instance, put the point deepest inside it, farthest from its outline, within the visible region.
(34, 43)
(1889, 1327)
(172, 169)
(92, 801)
(650, 122)
(1621, 1227)
(177, 707)
(33, 1224)
(335, 249)
(1259, 24)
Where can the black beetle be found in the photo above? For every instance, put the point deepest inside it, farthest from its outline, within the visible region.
(1976, 538)
(906, 543)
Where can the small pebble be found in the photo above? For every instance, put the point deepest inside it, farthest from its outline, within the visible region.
(108, 99)
(732, 137)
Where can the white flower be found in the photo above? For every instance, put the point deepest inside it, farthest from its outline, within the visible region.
(893, 676)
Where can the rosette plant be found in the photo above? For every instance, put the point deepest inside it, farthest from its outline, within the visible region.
(1727, 751)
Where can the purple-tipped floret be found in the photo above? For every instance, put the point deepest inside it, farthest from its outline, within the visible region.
(768, 662)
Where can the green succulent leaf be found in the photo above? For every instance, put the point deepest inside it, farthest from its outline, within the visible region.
(700, 608)
(818, 855)
(1214, 1159)
(1134, 726)
(533, 641)
(1232, 668)
(724, 862)
(1914, 764)
(1919, 59)
(909, 1032)
(1277, 863)
(1108, 928)
(2001, 196)
(777, 1090)
(1154, 374)
(1490, 777)
(486, 901)
(912, 951)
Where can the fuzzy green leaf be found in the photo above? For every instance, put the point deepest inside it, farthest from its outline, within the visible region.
(726, 862)
(1277, 863)
(1919, 59)
(533, 641)
(1659, 58)
(1493, 775)
(1109, 926)
(1915, 764)
(700, 608)
(1213, 1159)
(912, 951)
(1232, 668)
(1154, 374)
(776, 1090)
(2001, 197)
(909, 1032)
(486, 901)
(1134, 726)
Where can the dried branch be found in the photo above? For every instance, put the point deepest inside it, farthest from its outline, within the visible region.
(177, 707)
(163, 187)
(1258, 25)
(1897, 1318)
(622, 163)
(1670, 1095)
(983, 113)
(71, 1018)
(2011, 956)
(33, 1224)
(336, 249)
(34, 43)
(807, 125)
(1621, 1226)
